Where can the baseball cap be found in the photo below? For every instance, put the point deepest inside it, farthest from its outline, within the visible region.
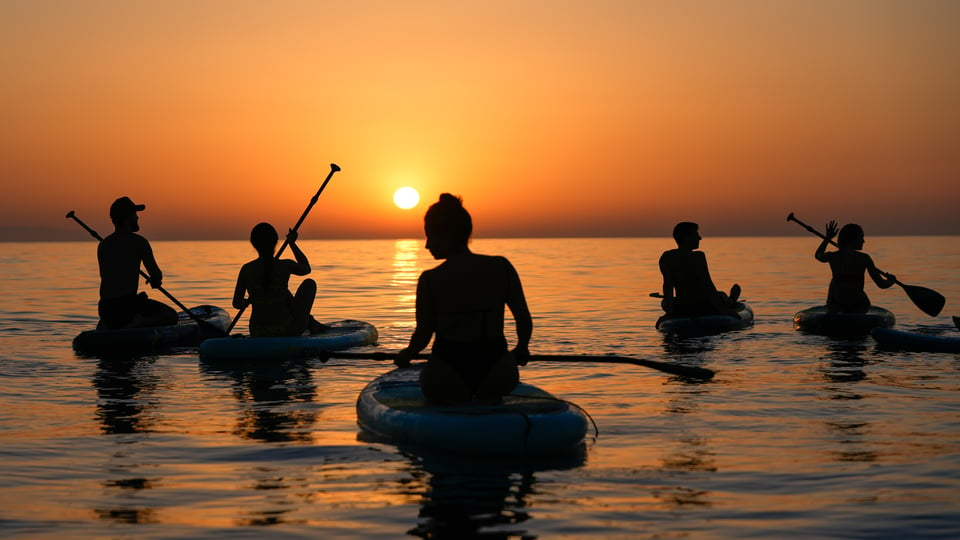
(124, 206)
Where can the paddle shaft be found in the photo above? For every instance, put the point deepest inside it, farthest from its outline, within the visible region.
(194, 316)
(333, 168)
(666, 367)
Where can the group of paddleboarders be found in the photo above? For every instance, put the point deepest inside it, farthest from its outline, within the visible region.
(688, 290)
(460, 304)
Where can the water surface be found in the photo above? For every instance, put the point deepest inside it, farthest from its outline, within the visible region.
(798, 436)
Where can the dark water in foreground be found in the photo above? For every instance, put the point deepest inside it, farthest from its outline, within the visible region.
(797, 436)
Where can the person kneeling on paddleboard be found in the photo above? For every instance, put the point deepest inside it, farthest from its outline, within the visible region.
(276, 312)
(460, 304)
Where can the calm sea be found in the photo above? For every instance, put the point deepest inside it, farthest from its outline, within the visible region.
(798, 436)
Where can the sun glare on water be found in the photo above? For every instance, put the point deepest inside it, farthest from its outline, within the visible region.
(406, 198)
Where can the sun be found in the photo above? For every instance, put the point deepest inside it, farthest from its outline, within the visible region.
(406, 198)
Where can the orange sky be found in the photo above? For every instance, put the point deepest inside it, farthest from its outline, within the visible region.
(573, 118)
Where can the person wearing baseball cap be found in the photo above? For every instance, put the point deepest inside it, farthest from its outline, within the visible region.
(120, 255)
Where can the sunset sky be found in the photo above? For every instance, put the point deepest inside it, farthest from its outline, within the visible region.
(550, 118)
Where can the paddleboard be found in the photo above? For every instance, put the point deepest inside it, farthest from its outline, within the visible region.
(529, 421)
(899, 340)
(817, 320)
(340, 335)
(706, 325)
(186, 333)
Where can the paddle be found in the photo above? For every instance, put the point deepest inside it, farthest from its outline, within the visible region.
(929, 301)
(205, 327)
(333, 168)
(666, 367)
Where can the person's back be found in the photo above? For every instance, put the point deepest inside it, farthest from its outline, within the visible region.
(469, 296)
(119, 256)
(690, 278)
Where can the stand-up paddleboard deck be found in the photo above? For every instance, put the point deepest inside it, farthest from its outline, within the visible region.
(899, 340)
(529, 421)
(186, 333)
(817, 320)
(340, 335)
(706, 325)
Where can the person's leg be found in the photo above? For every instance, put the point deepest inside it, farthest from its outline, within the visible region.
(501, 379)
(116, 312)
(302, 303)
(153, 313)
(442, 383)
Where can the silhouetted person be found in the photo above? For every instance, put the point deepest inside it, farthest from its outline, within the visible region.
(688, 290)
(461, 302)
(276, 312)
(848, 265)
(120, 255)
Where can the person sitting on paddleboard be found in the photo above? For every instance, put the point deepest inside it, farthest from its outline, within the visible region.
(688, 290)
(460, 303)
(275, 311)
(120, 255)
(848, 265)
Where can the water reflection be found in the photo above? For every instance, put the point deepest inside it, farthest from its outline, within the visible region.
(842, 368)
(277, 405)
(125, 387)
(687, 348)
(406, 271)
(466, 497)
(276, 398)
(844, 363)
(125, 406)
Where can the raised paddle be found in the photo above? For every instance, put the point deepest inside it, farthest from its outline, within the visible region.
(666, 367)
(205, 327)
(929, 301)
(333, 168)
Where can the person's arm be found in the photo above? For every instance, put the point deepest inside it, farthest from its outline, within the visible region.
(302, 267)
(150, 264)
(517, 302)
(667, 303)
(821, 253)
(882, 279)
(239, 293)
(425, 325)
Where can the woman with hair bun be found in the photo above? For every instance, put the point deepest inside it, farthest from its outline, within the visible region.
(460, 304)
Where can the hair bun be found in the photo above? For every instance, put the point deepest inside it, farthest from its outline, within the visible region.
(450, 199)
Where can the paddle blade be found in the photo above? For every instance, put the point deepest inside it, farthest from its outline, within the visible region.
(929, 301)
